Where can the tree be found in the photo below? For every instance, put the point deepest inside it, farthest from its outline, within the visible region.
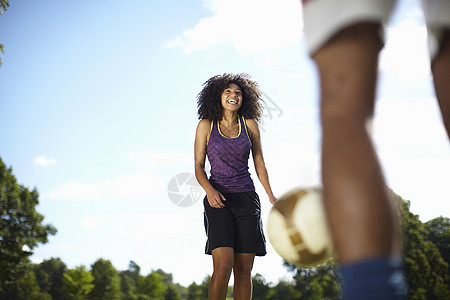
(77, 283)
(204, 288)
(320, 282)
(152, 286)
(106, 281)
(426, 271)
(128, 287)
(49, 275)
(199, 292)
(134, 270)
(172, 293)
(21, 228)
(129, 281)
(1, 52)
(438, 232)
(4, 4)
(193, 292)
(27, 288)
(166, 277)
(285, 290)
(183, 291)
(261, 289)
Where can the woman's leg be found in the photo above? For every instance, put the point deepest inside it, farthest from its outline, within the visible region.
(242, 270)
(223, 259)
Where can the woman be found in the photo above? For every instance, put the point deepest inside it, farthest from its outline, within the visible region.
(229, 107)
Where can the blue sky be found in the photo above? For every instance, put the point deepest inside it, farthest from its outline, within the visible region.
(98, 112)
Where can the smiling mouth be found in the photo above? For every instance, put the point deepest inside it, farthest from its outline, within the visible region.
(232, 101)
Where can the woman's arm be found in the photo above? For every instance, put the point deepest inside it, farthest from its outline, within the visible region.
(258, 158)
(214, 197)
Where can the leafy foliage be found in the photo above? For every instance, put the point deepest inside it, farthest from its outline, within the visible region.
(152, 286)
(321, 282)
(106, 281)
(261, 289)
(49, 275)
(21, 228)
(426, 270)
(77, 283)
(1, 52)
(4, 4)
(285, 290)
(172, 293)
(129, 281)
(438, 232)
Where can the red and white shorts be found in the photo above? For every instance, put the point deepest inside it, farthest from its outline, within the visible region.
(324, 18)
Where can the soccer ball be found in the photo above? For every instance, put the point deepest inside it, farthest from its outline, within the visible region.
(297, 227)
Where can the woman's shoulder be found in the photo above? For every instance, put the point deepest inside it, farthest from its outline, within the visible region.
(253, 128)
(204, 122)
(204, 125)
(251, 123)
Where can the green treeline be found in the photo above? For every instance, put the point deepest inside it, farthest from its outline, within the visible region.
(426, 255)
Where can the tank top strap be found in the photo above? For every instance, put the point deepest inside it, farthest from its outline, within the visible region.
(210, 133)
(247, 133)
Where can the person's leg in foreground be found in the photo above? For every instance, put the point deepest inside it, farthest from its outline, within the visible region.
(360, 213)
(345, 42)
(440, 68)
(437, 18)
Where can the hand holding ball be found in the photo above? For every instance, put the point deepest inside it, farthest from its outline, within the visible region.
(297, 228)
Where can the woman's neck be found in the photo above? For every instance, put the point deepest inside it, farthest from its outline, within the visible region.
(229, 118)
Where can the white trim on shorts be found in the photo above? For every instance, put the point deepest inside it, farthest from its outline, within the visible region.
(437, 17)
(324, 18)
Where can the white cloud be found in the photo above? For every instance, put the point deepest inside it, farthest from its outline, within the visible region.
(141, 184)
(410, 125)
(149, 159)
(206, 33)
(36, 260)
(252, 26)
(147, 171)
(44, 161)
(69, 245)
(415, 153)
(90, 222)
(406, 51)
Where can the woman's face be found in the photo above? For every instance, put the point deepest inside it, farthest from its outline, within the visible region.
(232, 97)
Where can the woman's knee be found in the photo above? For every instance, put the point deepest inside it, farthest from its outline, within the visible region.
(243, 264)
(223, 259)
(223, 269)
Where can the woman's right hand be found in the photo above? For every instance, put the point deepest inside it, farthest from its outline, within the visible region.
(215, 199)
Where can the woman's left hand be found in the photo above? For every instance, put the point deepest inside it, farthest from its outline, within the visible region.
(273, 199)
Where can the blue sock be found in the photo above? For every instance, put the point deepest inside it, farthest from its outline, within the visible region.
(373, 279)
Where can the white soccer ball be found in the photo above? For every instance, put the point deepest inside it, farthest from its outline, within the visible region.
(297, 228)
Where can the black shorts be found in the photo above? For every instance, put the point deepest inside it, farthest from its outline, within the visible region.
(237, 225)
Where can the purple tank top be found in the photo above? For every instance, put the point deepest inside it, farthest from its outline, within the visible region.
(229, 160)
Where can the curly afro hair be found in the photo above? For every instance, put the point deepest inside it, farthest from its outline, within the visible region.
(210, 106)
